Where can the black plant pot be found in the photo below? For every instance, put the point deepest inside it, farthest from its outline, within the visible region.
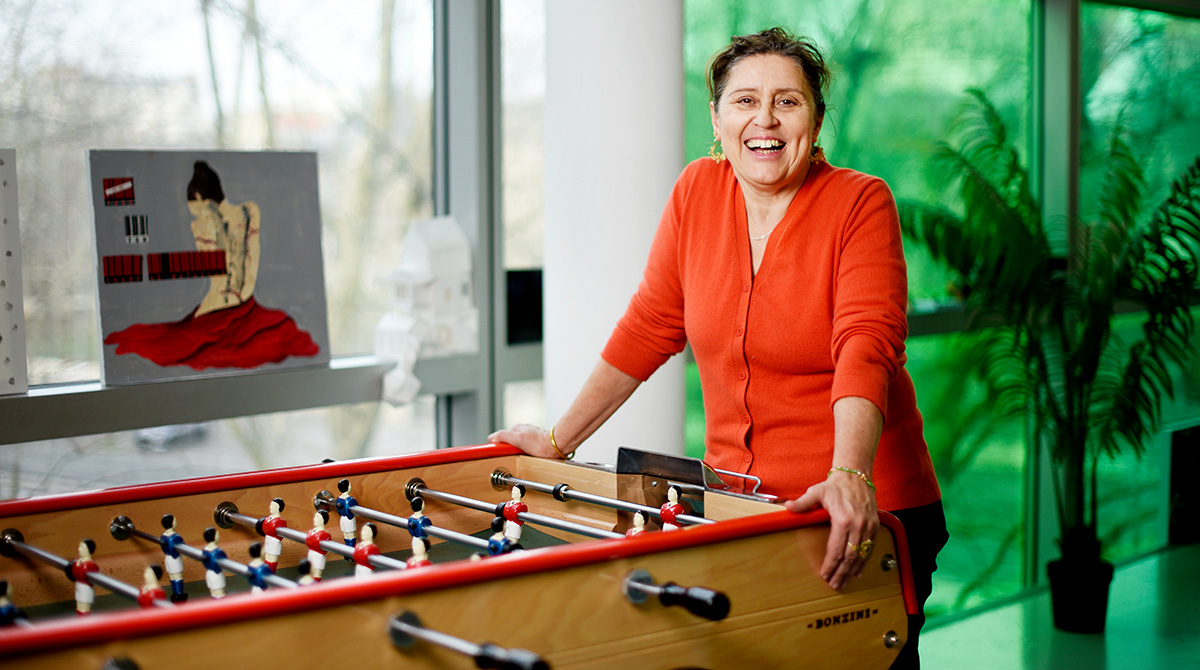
(1079, 594)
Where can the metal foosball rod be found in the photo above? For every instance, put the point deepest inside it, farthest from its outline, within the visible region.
(639, 586)
(325, 500)
(12, 544)
(122, 528)
(227, 516)
(416, 487)
(564, 492)
(405, 629)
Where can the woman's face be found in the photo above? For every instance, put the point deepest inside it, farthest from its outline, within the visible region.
(767, 123)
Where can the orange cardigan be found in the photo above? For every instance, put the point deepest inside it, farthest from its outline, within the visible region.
(824, 318)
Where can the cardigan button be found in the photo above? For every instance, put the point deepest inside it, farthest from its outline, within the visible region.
(739, 331)
(741, 375)
(745, 419)
(746, 288)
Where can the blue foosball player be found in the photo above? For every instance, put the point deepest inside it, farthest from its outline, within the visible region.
(343, 504)
(172, 561)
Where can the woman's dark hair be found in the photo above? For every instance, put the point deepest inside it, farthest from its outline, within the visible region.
(205, 184)
(776, 41)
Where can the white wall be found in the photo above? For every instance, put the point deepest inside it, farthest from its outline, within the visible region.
(614, 146)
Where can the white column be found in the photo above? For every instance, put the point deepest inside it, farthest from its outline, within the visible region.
(614, 146)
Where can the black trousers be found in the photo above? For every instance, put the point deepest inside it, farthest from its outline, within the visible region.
(925, 528)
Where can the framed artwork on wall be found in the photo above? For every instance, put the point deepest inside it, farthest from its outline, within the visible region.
(208, 263)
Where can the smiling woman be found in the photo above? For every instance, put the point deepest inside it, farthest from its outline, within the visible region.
(767, 117)
(793, 277)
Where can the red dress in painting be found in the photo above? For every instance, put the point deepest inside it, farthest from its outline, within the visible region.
(245, 336)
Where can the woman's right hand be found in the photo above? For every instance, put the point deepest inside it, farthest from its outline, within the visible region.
(528, 438)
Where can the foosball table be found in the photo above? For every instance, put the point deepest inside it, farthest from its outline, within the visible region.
(456, 558)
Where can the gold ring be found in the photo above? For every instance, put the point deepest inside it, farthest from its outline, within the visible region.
(853, 547)
(864, 549)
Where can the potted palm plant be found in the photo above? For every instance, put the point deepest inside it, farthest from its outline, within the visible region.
(1047, 320)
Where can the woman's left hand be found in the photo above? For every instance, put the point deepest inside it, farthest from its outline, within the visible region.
(854, 518)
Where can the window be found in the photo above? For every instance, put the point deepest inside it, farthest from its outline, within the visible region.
(523, 56)
(1140, 71)
(352, 82)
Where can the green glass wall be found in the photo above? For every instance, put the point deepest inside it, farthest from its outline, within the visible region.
(1140, 73)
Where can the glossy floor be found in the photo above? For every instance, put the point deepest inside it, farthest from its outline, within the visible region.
(1153, 623)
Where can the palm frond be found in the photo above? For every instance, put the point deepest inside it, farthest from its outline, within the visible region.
(1045, 339)
(1122, 186)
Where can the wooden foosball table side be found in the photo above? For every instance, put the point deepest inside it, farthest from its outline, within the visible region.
(566, 603)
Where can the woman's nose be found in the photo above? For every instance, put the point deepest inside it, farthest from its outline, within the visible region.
(765, 116)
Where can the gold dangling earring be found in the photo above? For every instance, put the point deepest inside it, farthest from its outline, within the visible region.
(714, 150)
(817, 155)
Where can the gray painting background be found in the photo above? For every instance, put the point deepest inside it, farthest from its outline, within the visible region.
(290, 273)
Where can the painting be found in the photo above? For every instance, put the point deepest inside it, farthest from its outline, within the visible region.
(14, 371)
(208, 263)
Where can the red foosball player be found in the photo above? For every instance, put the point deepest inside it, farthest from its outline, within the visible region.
(343, 504)
(151, 590)
(364, 550)
(639, 524)
(214, 574)
(512, 510)
(671, 509)
(316, 535)
(273, 546)
(420, 553)
(172, 561)
(9, 613)
(77, 570)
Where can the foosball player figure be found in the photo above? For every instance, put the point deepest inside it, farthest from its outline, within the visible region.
(671, 509)
(258, 569)
(214, 574)
(172, 561)
(343, 504)
(151, 590)
(498, 543)
(639, 524)
(512, 509)
(77, 571)
(316, 535)
(364, 550)
(418, 522)
(420, 553)
(9, 613)
(273, 546)
(304, 567)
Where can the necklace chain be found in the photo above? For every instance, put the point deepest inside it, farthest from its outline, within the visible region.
(764, 235)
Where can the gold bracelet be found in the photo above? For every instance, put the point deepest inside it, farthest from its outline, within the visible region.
(554, 443)
(865, 478)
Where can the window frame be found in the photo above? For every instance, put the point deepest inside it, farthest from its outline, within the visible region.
(469, 388)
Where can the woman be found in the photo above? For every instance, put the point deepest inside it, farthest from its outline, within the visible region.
(787, 277)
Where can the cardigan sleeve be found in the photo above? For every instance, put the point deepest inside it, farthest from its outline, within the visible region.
(652, 329)
(870, 295)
